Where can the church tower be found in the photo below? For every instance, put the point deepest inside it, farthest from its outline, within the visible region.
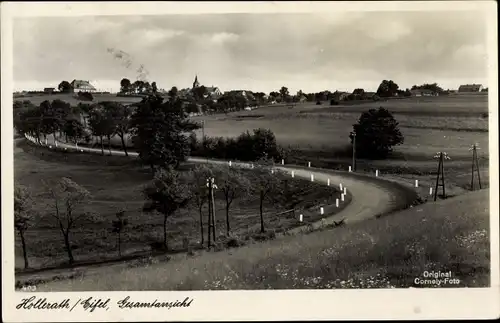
(196, 83)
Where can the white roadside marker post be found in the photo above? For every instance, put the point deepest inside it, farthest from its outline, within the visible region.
(430, 191)
(416, 183)
(301, 218)
(337, 202)
(309, 164)
(229, 163)
(340, 186)
(272, 171)
(345, 190)
(282, 162)
(350, 169)
(55, 142)
(321, 211)
(293, 174)
(342, 197)
(312, 178)
(376, 173)
(328, 182)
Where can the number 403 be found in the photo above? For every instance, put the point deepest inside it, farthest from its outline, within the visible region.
(28, 288)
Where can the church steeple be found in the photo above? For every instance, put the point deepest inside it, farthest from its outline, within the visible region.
(196, 83)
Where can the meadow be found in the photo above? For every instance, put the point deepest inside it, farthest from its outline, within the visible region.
(429, 124)
(71, 99)
(389, 252)
(116, 184)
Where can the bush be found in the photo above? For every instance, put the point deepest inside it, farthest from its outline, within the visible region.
(85, 96)
(318, 102)
(246, 147)
(376, 133)
(334, 102)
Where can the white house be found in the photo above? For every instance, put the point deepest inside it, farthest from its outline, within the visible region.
(83, 86)
(470, 88)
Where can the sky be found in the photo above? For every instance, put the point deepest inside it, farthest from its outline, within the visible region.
(259, 52)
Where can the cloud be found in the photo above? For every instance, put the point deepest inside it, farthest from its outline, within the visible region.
(264, 51)
(224, 37)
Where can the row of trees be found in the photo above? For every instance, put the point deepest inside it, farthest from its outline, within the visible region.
(166, 194)
(159, 129)
(137, 87)
(58, 118)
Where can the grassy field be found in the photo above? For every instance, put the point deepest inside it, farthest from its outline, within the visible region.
(116, 183)
(71, 99)
(429, 124)
(450, 235)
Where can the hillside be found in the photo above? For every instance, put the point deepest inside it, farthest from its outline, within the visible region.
(450, 235)
(69, 97)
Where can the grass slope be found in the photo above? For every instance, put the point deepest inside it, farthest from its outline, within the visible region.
(116, 183)
(449, 235)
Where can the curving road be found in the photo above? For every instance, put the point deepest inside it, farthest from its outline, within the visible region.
(370, 196)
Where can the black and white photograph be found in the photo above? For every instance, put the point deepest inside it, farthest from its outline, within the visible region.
(241, 150)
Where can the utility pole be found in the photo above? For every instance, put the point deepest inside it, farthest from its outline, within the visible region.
(209, 185)
(442, 156)
(475, 166)
(353, 151)
(211, 210)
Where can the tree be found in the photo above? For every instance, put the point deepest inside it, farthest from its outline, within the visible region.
(266, 186)
(138, 86)
(284, 93)
(125, 85)
(260, 97)
(166, 194)
(102, 125)
(434, 87)
(199, 92)
(160, 132)
(53, 116)
(154, 88)
(118, 119)
(264, 144)
(147, 87)
(23, 216)
(73, 130)
(118, 225)
(198, 189)
(233, 184)
(387, 89)
(68, 196)
(65, 87)
(173, 92)
(376, 133)
(28, 119)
